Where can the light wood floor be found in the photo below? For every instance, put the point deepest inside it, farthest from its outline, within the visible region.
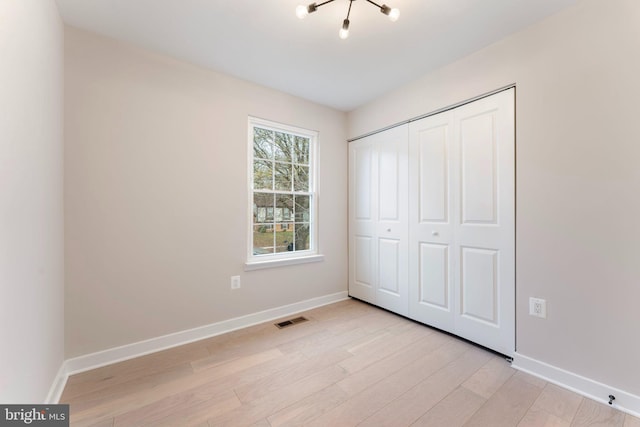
(350, 364)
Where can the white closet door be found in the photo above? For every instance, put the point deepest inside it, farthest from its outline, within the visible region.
(392, 225)
(431, 251)
(484, 143)
(462, 221)
(362, 220)
(378, 219)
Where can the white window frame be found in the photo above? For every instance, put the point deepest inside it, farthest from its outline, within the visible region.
(284, 258)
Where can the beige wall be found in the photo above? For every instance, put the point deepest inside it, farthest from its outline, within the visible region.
(578, 179)
(31, 210)
(156, 196)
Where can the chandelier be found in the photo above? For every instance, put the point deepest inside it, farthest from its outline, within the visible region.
(302, 11)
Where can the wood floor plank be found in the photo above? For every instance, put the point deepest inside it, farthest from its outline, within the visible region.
(370, 339)
(535, 381)
(508, 406)
(488, 379)
(309, 341)
(153, 361)
(89, 423)
(340, 339)
(369, 401)
(194, 406)
(345, 310)
(122, 390)
(594, 414)
(631, 421)
(265, 406)
(309, 408)
(268, 384)
(373, 321)
(234, 370)
(538, 417)
(414, 403)
(339, 325)
(386, 344)
(236, 364)
(247, 345)
(452, 411)
(364, 378)
(334, 331)
(261, 423)
(144, 366)
(559, 402)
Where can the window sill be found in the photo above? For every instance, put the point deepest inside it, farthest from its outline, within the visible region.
(259, 265)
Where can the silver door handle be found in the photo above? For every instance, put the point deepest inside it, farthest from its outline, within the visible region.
(434, 233)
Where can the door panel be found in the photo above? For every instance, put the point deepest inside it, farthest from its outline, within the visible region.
(434, 275)
(362, 164)
(389, 260)
(361, 221)
(388, 182)
(363, 249)
(479, 284)
(478, 168)
(392, 225)
(378, 219)
(433, 148)
(431, 229)
(484, 136)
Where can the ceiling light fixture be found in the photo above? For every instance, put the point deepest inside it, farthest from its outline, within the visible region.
(302, 11)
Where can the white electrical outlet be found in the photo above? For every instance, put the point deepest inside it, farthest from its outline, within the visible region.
(538, 307)
(235, 282)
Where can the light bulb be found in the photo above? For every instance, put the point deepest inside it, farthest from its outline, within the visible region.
(302, 11)
(344, 31)
(394, 14)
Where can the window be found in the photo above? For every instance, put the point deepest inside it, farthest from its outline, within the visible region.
(282, 196)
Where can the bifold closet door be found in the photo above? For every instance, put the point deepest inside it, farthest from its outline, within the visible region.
(462, 221)
(378, 219)
(484, 239)
(431, 219)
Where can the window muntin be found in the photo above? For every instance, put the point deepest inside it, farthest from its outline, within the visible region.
(283, 197)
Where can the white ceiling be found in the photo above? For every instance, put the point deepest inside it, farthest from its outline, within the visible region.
(264, 42)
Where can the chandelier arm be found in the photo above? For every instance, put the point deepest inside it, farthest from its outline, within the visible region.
(324, 2)
(375, 4)
(349, 11)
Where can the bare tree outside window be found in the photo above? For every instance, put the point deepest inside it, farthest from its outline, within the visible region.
(282, 191)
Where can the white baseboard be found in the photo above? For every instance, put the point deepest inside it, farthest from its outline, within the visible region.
(129, 351)
(625, 402)
(57, 386)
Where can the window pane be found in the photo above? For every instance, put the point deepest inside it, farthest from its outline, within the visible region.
(302, 237)
(262, 143)
(301, 150)
(300, 178)
(282, 176)
(302, 208)
(262, 207)
(284, 237)
(263, 235)
(262, 175)
(284, 207)
(282, 148)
